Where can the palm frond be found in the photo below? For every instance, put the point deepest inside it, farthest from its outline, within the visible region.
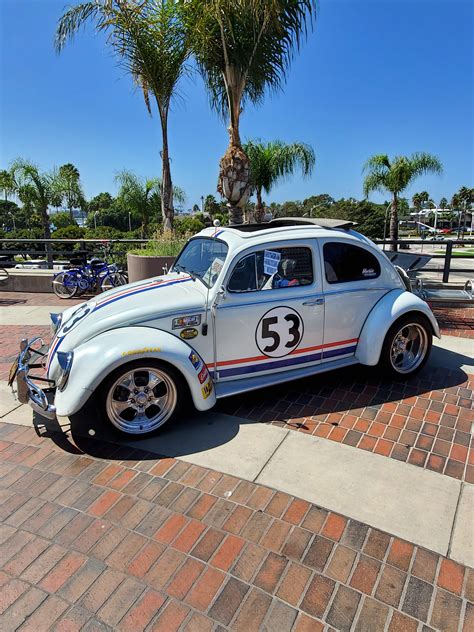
(246, 46)
(271, 162)
(375, 181)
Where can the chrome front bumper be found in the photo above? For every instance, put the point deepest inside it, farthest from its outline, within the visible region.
(27, 391)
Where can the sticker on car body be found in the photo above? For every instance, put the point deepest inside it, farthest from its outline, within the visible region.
(279, 332)
(195, 360)
(206, 390)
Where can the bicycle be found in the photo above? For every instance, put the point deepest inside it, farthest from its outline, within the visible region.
(94, 277)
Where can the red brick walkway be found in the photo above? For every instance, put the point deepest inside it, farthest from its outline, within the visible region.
(118, 538)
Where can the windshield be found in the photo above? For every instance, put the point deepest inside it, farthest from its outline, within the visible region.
(203, 258)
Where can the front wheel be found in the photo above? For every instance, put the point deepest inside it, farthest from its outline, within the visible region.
(65, 284)
(140, 397)
(407, 346)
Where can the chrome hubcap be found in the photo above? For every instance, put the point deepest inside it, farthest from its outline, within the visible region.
(141, 400)
(409, 348)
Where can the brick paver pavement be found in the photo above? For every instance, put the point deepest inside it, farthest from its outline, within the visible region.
(425, 420)
(98, 537)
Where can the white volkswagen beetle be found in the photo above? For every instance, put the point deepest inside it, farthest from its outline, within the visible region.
(242, 308)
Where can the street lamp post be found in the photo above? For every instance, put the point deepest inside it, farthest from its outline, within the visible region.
(309, 214)
(435, 209)
(129, 221)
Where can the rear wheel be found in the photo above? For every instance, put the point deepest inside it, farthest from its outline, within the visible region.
(65, 285)
(111, 280)
(407, 346)
(140, 397)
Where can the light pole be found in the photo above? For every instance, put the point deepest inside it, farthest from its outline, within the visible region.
(435, 209)
(312, 209)
(129, 221)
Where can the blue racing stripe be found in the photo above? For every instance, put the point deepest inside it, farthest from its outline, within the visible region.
(139, 291)
(330, 353)
(265, 366)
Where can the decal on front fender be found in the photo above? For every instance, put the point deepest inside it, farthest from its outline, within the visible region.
(203, 375)
(195, 360)
(206, 390)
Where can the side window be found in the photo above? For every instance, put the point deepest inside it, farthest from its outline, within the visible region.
(272, 269)
(344, 263)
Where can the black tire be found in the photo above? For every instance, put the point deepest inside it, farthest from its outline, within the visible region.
(390, 362)
(129, 426)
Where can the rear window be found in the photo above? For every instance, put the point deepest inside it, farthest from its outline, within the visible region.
(344, 263)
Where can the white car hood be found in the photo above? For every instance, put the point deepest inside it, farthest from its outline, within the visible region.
(174, 294)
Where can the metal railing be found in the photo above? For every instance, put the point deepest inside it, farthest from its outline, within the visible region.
(116, 248)
(86, 248)
(448, 244)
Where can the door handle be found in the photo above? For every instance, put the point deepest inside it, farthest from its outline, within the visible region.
(316, 301)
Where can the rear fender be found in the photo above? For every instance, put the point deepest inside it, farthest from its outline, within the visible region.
(99, 356)
(393, 305)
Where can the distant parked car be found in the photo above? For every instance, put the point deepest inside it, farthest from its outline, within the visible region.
(242, 308)
(32, 264)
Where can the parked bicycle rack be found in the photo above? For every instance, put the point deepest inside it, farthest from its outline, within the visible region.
(444, 295)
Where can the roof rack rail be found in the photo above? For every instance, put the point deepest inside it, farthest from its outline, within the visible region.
(281, 222)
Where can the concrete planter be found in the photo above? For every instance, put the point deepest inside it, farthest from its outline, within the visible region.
(142, 267)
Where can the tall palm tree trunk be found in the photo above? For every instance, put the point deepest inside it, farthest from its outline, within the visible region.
(167, 210)
(259, 208)
(394, 223)
(234, 167)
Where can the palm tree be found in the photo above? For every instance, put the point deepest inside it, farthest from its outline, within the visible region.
(242, 48)
(419, 199)
(443, 203)
(7, 183)
(396, 175)
(151, 44)
(465, 199)
(142, 196)
(36, 190)
(69, 181)
(273, 161)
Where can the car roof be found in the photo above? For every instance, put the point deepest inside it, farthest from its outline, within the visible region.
(283, 229)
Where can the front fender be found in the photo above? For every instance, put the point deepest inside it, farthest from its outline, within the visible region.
(99, 356)
(393, 305)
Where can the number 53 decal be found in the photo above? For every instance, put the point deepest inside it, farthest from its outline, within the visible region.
(279, 332)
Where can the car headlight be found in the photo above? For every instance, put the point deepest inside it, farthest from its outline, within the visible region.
(65, 359)
(56, 320)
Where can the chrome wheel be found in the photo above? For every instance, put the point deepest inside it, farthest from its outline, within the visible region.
(409, 348)
(65, 285)
(114, 279)
(141, 400)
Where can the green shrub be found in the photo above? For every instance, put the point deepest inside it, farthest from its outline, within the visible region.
(163, 247)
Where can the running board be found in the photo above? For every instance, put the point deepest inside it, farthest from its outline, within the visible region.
(234, 387)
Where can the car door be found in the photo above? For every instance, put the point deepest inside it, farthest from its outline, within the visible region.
(271, 316)
(353, 282)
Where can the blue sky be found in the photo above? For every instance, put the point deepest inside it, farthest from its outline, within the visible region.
(377, 76)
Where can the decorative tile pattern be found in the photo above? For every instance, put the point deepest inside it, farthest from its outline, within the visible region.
(91, 537)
